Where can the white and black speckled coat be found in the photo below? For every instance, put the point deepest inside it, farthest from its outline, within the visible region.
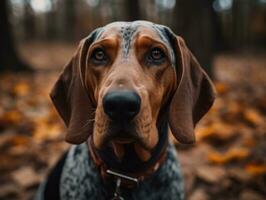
(80, 180)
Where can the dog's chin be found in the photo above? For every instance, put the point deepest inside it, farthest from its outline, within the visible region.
(118, 135)
(119, 146)
(119, 142)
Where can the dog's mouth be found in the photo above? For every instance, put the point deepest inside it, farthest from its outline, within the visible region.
(123, 136)
(128, 135)
(123, 140)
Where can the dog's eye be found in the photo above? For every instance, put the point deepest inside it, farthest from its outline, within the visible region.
(98, 56)
(156, 56)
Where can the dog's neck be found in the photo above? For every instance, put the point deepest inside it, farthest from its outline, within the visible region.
(131, 162)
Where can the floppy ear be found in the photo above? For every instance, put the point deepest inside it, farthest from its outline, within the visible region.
(194, 95)
(70, 97)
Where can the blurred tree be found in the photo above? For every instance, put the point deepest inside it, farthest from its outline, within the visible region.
(51, 31)
(70, 19)
(132, 10)
(29, 21)
(194, 22)
(242, 22)
(9, 59)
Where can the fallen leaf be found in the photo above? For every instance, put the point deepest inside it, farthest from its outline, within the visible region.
(47, 132)
(239, 174)
(20, 140)
(11, 117)
(253, 116)
(199, 194)
(251, 195)
(21, 89)
(5, 138)
(8, 190)
(26, 177)
(232, 154)
(211, 174)
(221, 87)
(256, 169)
(218, 131)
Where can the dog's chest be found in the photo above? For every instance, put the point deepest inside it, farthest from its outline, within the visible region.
(80, 179)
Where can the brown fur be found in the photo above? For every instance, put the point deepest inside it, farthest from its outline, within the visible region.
(182, 87)
(152, 83)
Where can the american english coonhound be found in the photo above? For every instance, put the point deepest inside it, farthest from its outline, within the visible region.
(127, 87)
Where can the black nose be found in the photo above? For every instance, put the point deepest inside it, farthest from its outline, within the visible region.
(121, 105)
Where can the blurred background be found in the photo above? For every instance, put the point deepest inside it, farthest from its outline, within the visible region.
(37, 37)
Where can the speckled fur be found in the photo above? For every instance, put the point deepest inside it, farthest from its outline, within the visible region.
(80, 179)
(127, 33)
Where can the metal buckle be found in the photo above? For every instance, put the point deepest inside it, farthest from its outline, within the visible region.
(119, 176)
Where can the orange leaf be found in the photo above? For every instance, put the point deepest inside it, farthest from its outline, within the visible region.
(218, 130)
(230, 155)
(221, 88)
(21, 89)
(12, 117)
(252, 116)
(20, 140)
(256, 169)
(47, 132)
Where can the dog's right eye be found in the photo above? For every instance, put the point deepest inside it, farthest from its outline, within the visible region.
(98, 56)
(156, 56)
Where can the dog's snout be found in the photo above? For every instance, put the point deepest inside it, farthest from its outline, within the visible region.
(121, 105)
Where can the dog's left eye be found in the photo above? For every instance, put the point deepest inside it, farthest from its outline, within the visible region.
(156, 56)
(98, 56)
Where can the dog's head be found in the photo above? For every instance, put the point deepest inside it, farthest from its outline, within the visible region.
(123, 79)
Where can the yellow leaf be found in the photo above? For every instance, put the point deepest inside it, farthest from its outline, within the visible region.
(252, 116)
(221, 88)
(21, 89)
(47, 132)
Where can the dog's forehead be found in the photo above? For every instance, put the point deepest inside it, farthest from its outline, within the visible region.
(126, 30)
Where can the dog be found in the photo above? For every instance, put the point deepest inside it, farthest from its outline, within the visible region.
(128, 86)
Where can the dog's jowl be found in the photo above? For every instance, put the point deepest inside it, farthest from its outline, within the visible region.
(128, 86)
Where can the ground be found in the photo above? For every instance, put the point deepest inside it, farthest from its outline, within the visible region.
(227, 162)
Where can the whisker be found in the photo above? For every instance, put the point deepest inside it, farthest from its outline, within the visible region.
(87, 123)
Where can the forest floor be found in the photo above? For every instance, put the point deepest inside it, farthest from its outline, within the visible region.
(227, 162)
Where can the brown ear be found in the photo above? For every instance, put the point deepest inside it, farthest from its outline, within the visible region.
(71, 99)
(193, 97)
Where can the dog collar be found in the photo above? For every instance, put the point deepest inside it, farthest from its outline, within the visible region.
(127, 180)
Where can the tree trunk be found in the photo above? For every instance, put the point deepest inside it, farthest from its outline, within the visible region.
(132, 10)
(70, 19)
(29, 21)
(9, 59)
(193, 21)
(242, 16)
(51, 31)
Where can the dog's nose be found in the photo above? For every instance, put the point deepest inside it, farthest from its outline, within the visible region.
(121, 105)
